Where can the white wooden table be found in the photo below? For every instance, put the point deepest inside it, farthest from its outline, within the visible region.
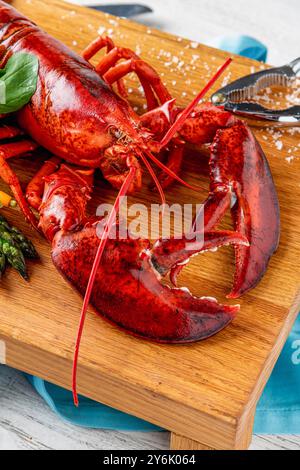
(25, 420)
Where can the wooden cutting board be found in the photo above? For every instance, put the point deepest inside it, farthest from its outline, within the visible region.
(204, 393)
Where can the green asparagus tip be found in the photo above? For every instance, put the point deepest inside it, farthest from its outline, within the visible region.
(14, 245)
(21, 268)
(2, 263)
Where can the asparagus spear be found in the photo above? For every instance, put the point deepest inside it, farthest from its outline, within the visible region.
(12, 253)
(2, 263)
(4, 222)
(13, 247)
(24, 243)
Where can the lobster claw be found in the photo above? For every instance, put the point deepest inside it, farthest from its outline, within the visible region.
(238, 160)
(128, 290)
(240, 179)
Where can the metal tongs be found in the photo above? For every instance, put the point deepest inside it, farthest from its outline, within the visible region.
(234, 96)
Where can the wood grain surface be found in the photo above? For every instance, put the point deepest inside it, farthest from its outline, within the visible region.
(207, 391)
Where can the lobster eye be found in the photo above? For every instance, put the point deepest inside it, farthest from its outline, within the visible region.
(115, 132)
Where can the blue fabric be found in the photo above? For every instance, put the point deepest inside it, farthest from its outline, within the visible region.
(278, 411)
(242, 45)
(90, 413)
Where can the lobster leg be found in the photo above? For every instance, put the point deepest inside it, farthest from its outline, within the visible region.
(148, 77)
(174, 162)
(11, 179)
(124, 68)
(96, 46)
(17, 149)
(8, 132)
(35, 188)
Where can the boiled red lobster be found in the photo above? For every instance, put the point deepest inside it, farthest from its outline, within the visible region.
(76, 115)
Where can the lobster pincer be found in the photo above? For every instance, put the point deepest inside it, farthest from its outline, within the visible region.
(128, 290)
(240, 181)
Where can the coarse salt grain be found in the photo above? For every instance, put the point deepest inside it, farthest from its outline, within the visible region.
(226, 79)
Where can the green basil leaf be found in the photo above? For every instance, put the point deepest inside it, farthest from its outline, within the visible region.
(18, 81)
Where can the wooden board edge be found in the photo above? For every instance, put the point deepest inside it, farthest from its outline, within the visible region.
(142, 403)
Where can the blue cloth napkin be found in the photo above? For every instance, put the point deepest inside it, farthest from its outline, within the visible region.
(242, 45)
(278, 411)
(90, 413)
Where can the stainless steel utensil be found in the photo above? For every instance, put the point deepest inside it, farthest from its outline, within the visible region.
(234, 96)
(126, 10)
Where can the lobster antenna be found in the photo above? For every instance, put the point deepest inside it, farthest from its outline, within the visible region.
(170, 172)
(155, 179)
(186, 113)
(108, 226)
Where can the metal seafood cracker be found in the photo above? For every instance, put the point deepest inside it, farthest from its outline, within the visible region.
(234, 97)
